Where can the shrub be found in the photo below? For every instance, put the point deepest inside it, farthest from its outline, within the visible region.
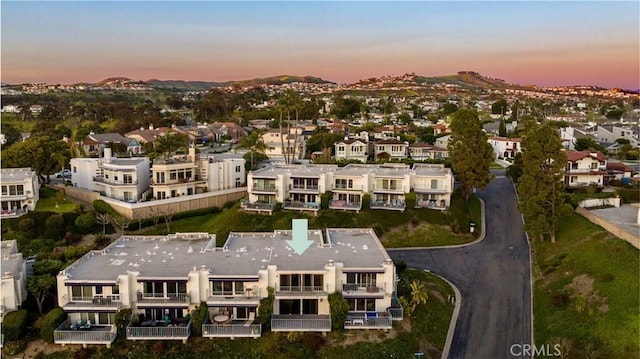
(72, 238)
(14, 325)
(14, 347)
(51, 321)
(122, 320)
(85, 222)
(102, 240)
(103, 207)
(629, 195)
(197, 319)
(339, 309)
(265, 310)
(54, 227)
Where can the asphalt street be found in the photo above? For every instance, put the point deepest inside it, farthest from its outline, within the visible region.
(493, 278)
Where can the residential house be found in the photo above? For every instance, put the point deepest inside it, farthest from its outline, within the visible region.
(162, 279)
(123, 179)
(505, 148)
(585, 168)
(433, 185)
(441, 128)
(443, 142)
(185, 175)
(278, 144)
(389, 184)
(609, 134)
(569, 136)
(392, 149)
(351, 149)
(230, 130)
(425, 151)
(349, 184)
(147, 135)
(95, 143)
(13, 290)
(617, 171)
(20, 191)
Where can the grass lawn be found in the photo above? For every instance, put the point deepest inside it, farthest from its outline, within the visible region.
(414, 227)
(587, 292)
(47, 202)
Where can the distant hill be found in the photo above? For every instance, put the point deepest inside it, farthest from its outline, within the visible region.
(468, 79)
(204, 85)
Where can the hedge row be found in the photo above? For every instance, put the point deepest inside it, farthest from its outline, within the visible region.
(50, 322)
(14, 325)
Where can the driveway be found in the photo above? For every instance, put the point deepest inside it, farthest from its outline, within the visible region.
(493, 278)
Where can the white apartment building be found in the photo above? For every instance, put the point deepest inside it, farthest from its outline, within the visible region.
(505, 148)
(297, 187)
(386, 185)
(123, 179)
(20, 191)
(352, 149)
(14, 278)
(164, 278)
(609, 134)
(193, 174)
(433, 185)
(585, 168)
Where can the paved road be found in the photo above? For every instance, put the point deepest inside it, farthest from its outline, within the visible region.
(493, 279)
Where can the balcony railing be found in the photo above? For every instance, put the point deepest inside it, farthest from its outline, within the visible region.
(160, 330)
(249, 296)
(395, 311)
(368, 321)
(67, 333)
(344, 187)
(288, 290)
(340, 204)
(388, 189)
(257, 206)
(305, 206)
(162, 298)
(431, 203)
(362, 289)
(257, 188)
(98, 301)
(9, 213)
(301, 323)
(309, 187)
(234, 330)
(113, 182)
(392, 205)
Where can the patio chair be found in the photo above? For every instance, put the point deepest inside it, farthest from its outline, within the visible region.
(252, 317)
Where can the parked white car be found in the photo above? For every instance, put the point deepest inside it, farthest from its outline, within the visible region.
(64, 173)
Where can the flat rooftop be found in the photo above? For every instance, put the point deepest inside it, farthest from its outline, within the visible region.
(430, 170)
(11, 260)
(295, 170)
(243, 254)
(15, 174)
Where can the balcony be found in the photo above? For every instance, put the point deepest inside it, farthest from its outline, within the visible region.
(394, 205)
(258, 206)
(344, 187)
(362, 290)
(232, 329)
(388, 189)
(176, 329)
(348, 206)
(368, 320)
(111, 182)
(395, 311)
(81, 333)
(432, 204)
(301, 206)
(147, 299)
(229, 299)
(264, 188)
(11, 213)
(301, 323)
(301, 188)
(177, 181)
(287, 291)
(98, 302)
(15, 196)
(430, 190)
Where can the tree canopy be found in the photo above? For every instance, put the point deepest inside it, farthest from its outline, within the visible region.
(470, 153)
(43, 154)
(540, 187)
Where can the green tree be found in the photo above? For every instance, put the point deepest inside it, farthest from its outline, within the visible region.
(265, 310)
(43, 154)
(405, 118)
(515, 170)
(85, 222)
(40, 287)
(499, 107)
(585, 144)
(339, 309)
(469, 151)
(448, 108)
(540, 188)
(419, 294)
(253, 142)
(515, 110)
(502, 129)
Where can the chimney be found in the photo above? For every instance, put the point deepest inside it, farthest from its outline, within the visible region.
(107, 154)
(192, 153)
(151, 127)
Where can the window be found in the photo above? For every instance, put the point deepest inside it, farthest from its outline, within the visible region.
(340, 148)
(81, 292)
(160, 178)
(594, 166)
(434, 184)
(237, 169)
(4, 190)
(238, 183)
(153, 289)
(127, 196)
(161, 195)
(74, 169)
(361, 305)
(127, 178)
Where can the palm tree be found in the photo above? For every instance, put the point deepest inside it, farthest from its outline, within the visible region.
(419, 294)
(253, 143)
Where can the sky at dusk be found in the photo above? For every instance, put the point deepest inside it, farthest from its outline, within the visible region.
(544, 43)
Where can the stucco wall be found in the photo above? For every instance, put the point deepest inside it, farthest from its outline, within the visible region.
(634, 240)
